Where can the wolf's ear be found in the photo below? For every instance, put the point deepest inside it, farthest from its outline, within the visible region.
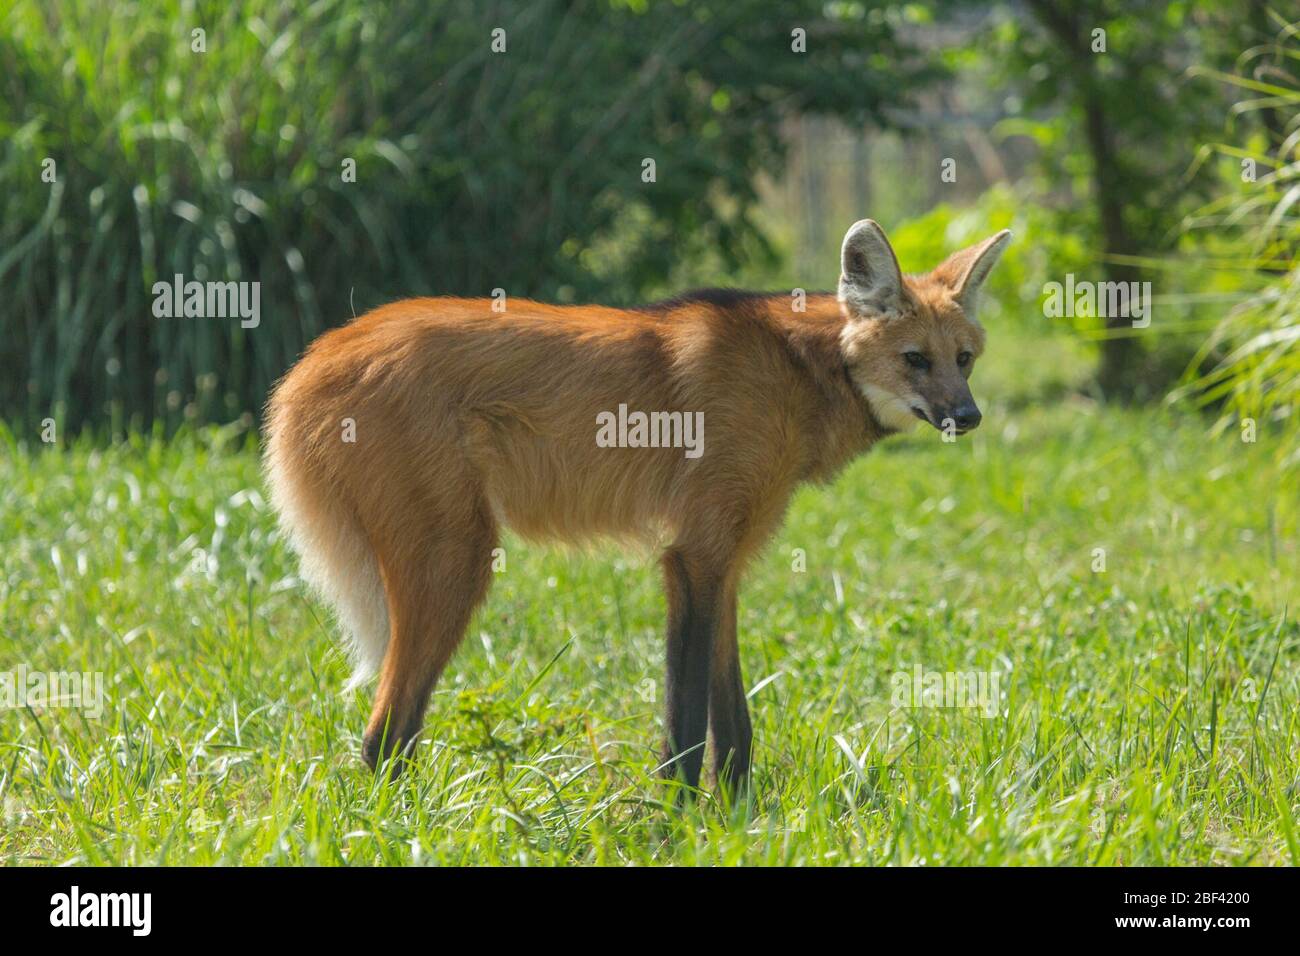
(964, 272)
(870, 281)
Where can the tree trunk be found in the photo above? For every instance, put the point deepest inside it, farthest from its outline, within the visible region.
(1117, 374)
(1120, 356)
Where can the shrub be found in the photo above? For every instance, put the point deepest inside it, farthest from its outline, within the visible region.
(1249, 366)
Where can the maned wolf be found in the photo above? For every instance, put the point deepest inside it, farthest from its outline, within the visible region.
(401, 443)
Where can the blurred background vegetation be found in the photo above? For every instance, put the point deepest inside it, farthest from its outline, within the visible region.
(1164, 148)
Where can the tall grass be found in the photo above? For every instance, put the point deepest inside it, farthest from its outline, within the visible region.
(475, 169)
(1250, 364)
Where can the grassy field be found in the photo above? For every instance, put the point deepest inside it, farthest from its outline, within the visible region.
(1148, 712)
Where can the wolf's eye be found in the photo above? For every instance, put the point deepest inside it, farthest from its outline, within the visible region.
(964, 359)
(916, 360)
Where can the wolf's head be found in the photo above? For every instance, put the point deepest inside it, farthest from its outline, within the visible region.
(910, 342)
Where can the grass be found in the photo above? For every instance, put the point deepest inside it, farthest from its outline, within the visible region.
(1251, 361)
(1148, 712)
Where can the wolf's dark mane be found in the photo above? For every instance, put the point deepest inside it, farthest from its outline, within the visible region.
(723, 298)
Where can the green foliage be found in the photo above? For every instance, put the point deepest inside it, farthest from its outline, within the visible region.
(1112, 94)
(474, 170)
(1039, 251)
(1136, 99)
(1250, 363)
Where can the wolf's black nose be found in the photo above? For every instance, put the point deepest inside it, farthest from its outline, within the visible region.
(967, 417)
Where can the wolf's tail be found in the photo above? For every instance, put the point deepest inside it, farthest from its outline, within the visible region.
(323, 528)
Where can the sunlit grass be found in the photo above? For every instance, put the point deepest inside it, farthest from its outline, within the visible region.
(1148, 714)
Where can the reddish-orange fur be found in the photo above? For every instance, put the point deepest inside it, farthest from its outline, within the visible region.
(467, 419)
